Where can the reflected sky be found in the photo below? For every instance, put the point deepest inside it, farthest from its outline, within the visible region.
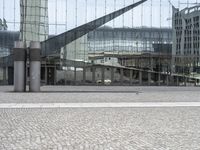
(67, 14)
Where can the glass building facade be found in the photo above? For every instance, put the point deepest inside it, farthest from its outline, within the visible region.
(128, 40)
(139, 30)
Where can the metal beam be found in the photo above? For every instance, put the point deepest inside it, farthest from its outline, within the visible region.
(53, 45)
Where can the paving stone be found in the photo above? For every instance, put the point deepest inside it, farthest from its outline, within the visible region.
(101, 128)
(121, 131)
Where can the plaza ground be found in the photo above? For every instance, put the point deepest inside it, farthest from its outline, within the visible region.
(128, 118)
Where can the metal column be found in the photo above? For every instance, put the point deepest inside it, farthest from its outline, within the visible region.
(93, 75)
(131, 77)
(152, 63)
(103, 75)
(10, 75)
(35, 66)
(185, 81)
(19, 67)
(55, 75)
(46, 74)
(195, 84)
(159, 78)
(121, 76)
(4, 75)
(112, 75)
(167, 80)
(74, 75)
(140, 77)
(177, 81)
(149, 78)
(84, 75)
(172, 80)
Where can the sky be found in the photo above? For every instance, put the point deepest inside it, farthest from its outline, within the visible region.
(67, 14)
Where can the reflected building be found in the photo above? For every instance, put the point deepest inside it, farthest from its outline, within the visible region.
(4, 51)
(107, 40)
(76, 50)
(119, 40)
(128, 39)
(34, 20)
(187, 31)
(186, 39)
(120, 46)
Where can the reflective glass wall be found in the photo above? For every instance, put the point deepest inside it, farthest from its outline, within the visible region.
(144, 29)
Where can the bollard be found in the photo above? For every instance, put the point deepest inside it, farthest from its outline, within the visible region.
(35, 66)
(19, 66)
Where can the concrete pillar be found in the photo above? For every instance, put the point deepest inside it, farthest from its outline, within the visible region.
(112, 75)
(131, 77)
(121, 76)
(149, 78)
(140, 77)
(84, 75)
(35, 66)
(19, 67)
(93, 74)
(74, 75)
(102, 75)
(159, 79)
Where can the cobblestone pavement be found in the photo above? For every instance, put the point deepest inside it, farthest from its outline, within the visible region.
(155, 128)
(100, 129)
